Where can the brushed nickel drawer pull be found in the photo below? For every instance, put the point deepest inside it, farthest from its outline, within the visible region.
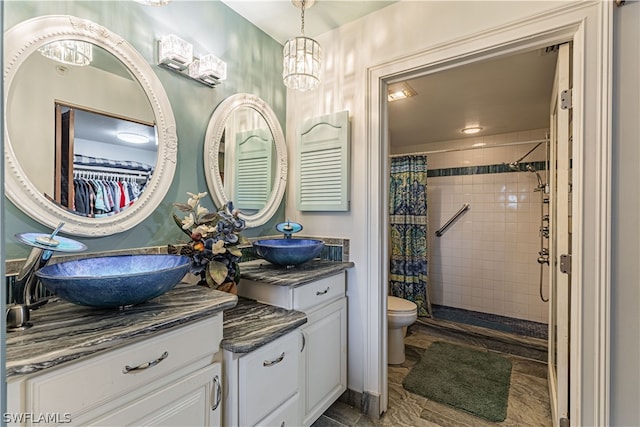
(127, 369)
(273, 362)
(318, 293)
(217, 394)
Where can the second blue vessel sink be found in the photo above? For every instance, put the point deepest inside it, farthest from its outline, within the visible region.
(114, 281)
(288, 252)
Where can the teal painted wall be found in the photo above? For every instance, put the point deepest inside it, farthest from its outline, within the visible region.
(254, 65)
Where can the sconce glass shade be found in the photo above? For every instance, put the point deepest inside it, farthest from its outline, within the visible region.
(209, 69)
(174, 52)
(301, 63)
(72, 52)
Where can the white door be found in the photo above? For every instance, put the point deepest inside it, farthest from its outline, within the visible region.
(560, 242)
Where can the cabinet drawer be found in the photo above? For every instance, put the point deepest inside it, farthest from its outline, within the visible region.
(268, 377)
(287, 415)
(319, 292)
(89, 383)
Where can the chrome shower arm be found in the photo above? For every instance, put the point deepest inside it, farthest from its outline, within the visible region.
(528, 152)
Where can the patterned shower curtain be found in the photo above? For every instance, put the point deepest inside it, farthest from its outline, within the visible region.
(408, 228)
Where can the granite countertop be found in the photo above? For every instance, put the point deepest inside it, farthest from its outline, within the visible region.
(251, 324)
(263, 271)
(64, 332)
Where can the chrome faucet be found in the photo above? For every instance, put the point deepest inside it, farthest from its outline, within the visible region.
(26, 282)
(288, 228)
(38, 258)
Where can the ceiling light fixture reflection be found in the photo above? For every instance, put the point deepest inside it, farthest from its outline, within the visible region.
(71, 52)
(471, 130)
(132, 138)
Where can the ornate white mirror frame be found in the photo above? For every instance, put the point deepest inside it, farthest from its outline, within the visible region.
(213, 138)
(24, 39)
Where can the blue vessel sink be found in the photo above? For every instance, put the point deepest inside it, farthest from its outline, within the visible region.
(114, 281)
(288, 252)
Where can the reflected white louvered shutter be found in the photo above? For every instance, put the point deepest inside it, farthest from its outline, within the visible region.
(253, 180)
(323, 163)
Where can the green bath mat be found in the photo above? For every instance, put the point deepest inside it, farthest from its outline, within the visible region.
(471, 380)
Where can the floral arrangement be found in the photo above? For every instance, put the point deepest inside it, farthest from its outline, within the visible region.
(214, 242)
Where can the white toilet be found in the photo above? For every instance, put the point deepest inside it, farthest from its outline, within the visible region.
(400, 314)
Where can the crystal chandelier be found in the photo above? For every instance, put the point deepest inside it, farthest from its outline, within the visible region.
(72, 52)
(301, 63)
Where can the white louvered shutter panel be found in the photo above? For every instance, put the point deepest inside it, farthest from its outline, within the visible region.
(254, 169)
(323, 163)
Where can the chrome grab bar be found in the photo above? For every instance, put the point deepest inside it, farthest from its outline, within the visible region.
(462, 210)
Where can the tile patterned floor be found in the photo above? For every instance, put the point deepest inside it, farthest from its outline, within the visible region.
(528, 395)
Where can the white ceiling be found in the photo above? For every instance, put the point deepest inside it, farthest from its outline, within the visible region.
(502, 95)
(281, 19)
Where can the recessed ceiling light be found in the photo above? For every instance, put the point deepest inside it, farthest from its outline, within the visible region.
(133, 138)
(471, 130)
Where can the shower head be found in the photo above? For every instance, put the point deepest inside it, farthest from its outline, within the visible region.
(514, 166)
(530, 168)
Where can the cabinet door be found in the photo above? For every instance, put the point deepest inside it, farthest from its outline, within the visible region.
(325, 358)
(192, 401)
(268, 377)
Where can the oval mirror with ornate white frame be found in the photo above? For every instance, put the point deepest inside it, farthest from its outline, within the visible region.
(271, 175)
(25, 39)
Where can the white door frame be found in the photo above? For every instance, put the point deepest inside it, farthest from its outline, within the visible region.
(588, 25)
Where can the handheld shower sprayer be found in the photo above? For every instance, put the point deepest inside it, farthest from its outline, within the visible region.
(541, 185)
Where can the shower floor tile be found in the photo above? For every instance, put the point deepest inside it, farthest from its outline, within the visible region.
(491, 321)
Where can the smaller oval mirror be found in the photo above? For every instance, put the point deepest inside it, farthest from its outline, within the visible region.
(246, 158)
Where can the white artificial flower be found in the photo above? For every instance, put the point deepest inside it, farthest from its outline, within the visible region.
(201, 211)
(203, 229)
(188, 222)
(218, 247)
(195, 198)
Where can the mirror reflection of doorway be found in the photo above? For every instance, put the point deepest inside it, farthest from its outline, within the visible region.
(63, 170)
(109, 158)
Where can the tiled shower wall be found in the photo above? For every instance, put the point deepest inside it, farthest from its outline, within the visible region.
(487, 260)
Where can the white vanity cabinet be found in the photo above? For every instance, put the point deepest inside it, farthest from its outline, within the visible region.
(172, 378)
(262, 387)
(324, 354)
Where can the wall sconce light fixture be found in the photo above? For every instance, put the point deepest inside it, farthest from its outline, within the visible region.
(176, 55)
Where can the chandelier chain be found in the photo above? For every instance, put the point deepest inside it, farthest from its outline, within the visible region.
(302, 18)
